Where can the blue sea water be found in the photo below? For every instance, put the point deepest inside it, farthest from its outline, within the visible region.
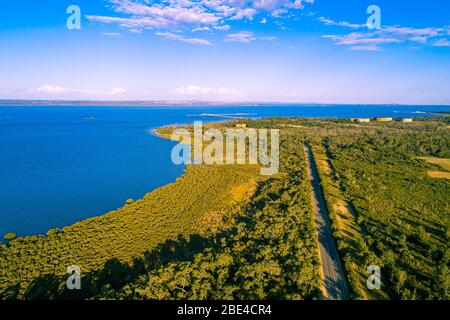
(58, 167)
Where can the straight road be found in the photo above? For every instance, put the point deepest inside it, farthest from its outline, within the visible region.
(334, 280)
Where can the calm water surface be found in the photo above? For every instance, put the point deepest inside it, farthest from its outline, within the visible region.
(58, 167)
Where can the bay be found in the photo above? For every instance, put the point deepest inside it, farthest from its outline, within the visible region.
(60, 165)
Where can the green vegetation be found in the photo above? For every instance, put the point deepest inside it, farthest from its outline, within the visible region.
(404, 211)
(204, 236)
(348, 233)
(195, 204)
(270, 251)
(400, 217)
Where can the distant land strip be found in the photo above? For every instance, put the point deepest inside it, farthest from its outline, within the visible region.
(145, 103)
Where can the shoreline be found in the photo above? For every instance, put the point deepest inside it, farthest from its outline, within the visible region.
(131, 232)
(153, 132)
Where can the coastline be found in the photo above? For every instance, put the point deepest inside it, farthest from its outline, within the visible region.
(196, 204)
(153, 132)
(176, 212)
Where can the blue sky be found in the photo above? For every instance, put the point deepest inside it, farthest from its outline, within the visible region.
(227, 50)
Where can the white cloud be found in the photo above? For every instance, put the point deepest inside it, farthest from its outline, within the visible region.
(441, 43)
(246, 13)
(409, 32)
(138, 15)
(132, 24)
(330, 22)
(177, 37)
(267, 4)
(201, 29)
(372, 40)
(111, 34)
(362, 39)
(366, 48)
(53, 89)
(268, 38)
(117, 91)
(279, 12)
(242, 36)
(224, 27)
(57, 90)
(195, 91)
(263, 20)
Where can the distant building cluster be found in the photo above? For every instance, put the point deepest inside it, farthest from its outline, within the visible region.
(380, 119)
(385, 119)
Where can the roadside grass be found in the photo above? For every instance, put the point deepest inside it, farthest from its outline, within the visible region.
(348, 233)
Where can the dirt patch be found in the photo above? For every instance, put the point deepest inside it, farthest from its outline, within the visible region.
(341, 207)
(439, 174)
(444, 163)
(242, 191)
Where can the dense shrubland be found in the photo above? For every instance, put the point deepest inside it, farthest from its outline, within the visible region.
(197, 203)
(269, 253)
(402, 214)
(405, 212)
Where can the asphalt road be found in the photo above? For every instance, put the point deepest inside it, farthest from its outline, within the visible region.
(334, 280)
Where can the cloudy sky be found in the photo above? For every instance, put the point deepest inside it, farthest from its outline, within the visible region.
(227, 50)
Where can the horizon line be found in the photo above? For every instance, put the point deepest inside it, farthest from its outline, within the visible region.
(143, 103)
